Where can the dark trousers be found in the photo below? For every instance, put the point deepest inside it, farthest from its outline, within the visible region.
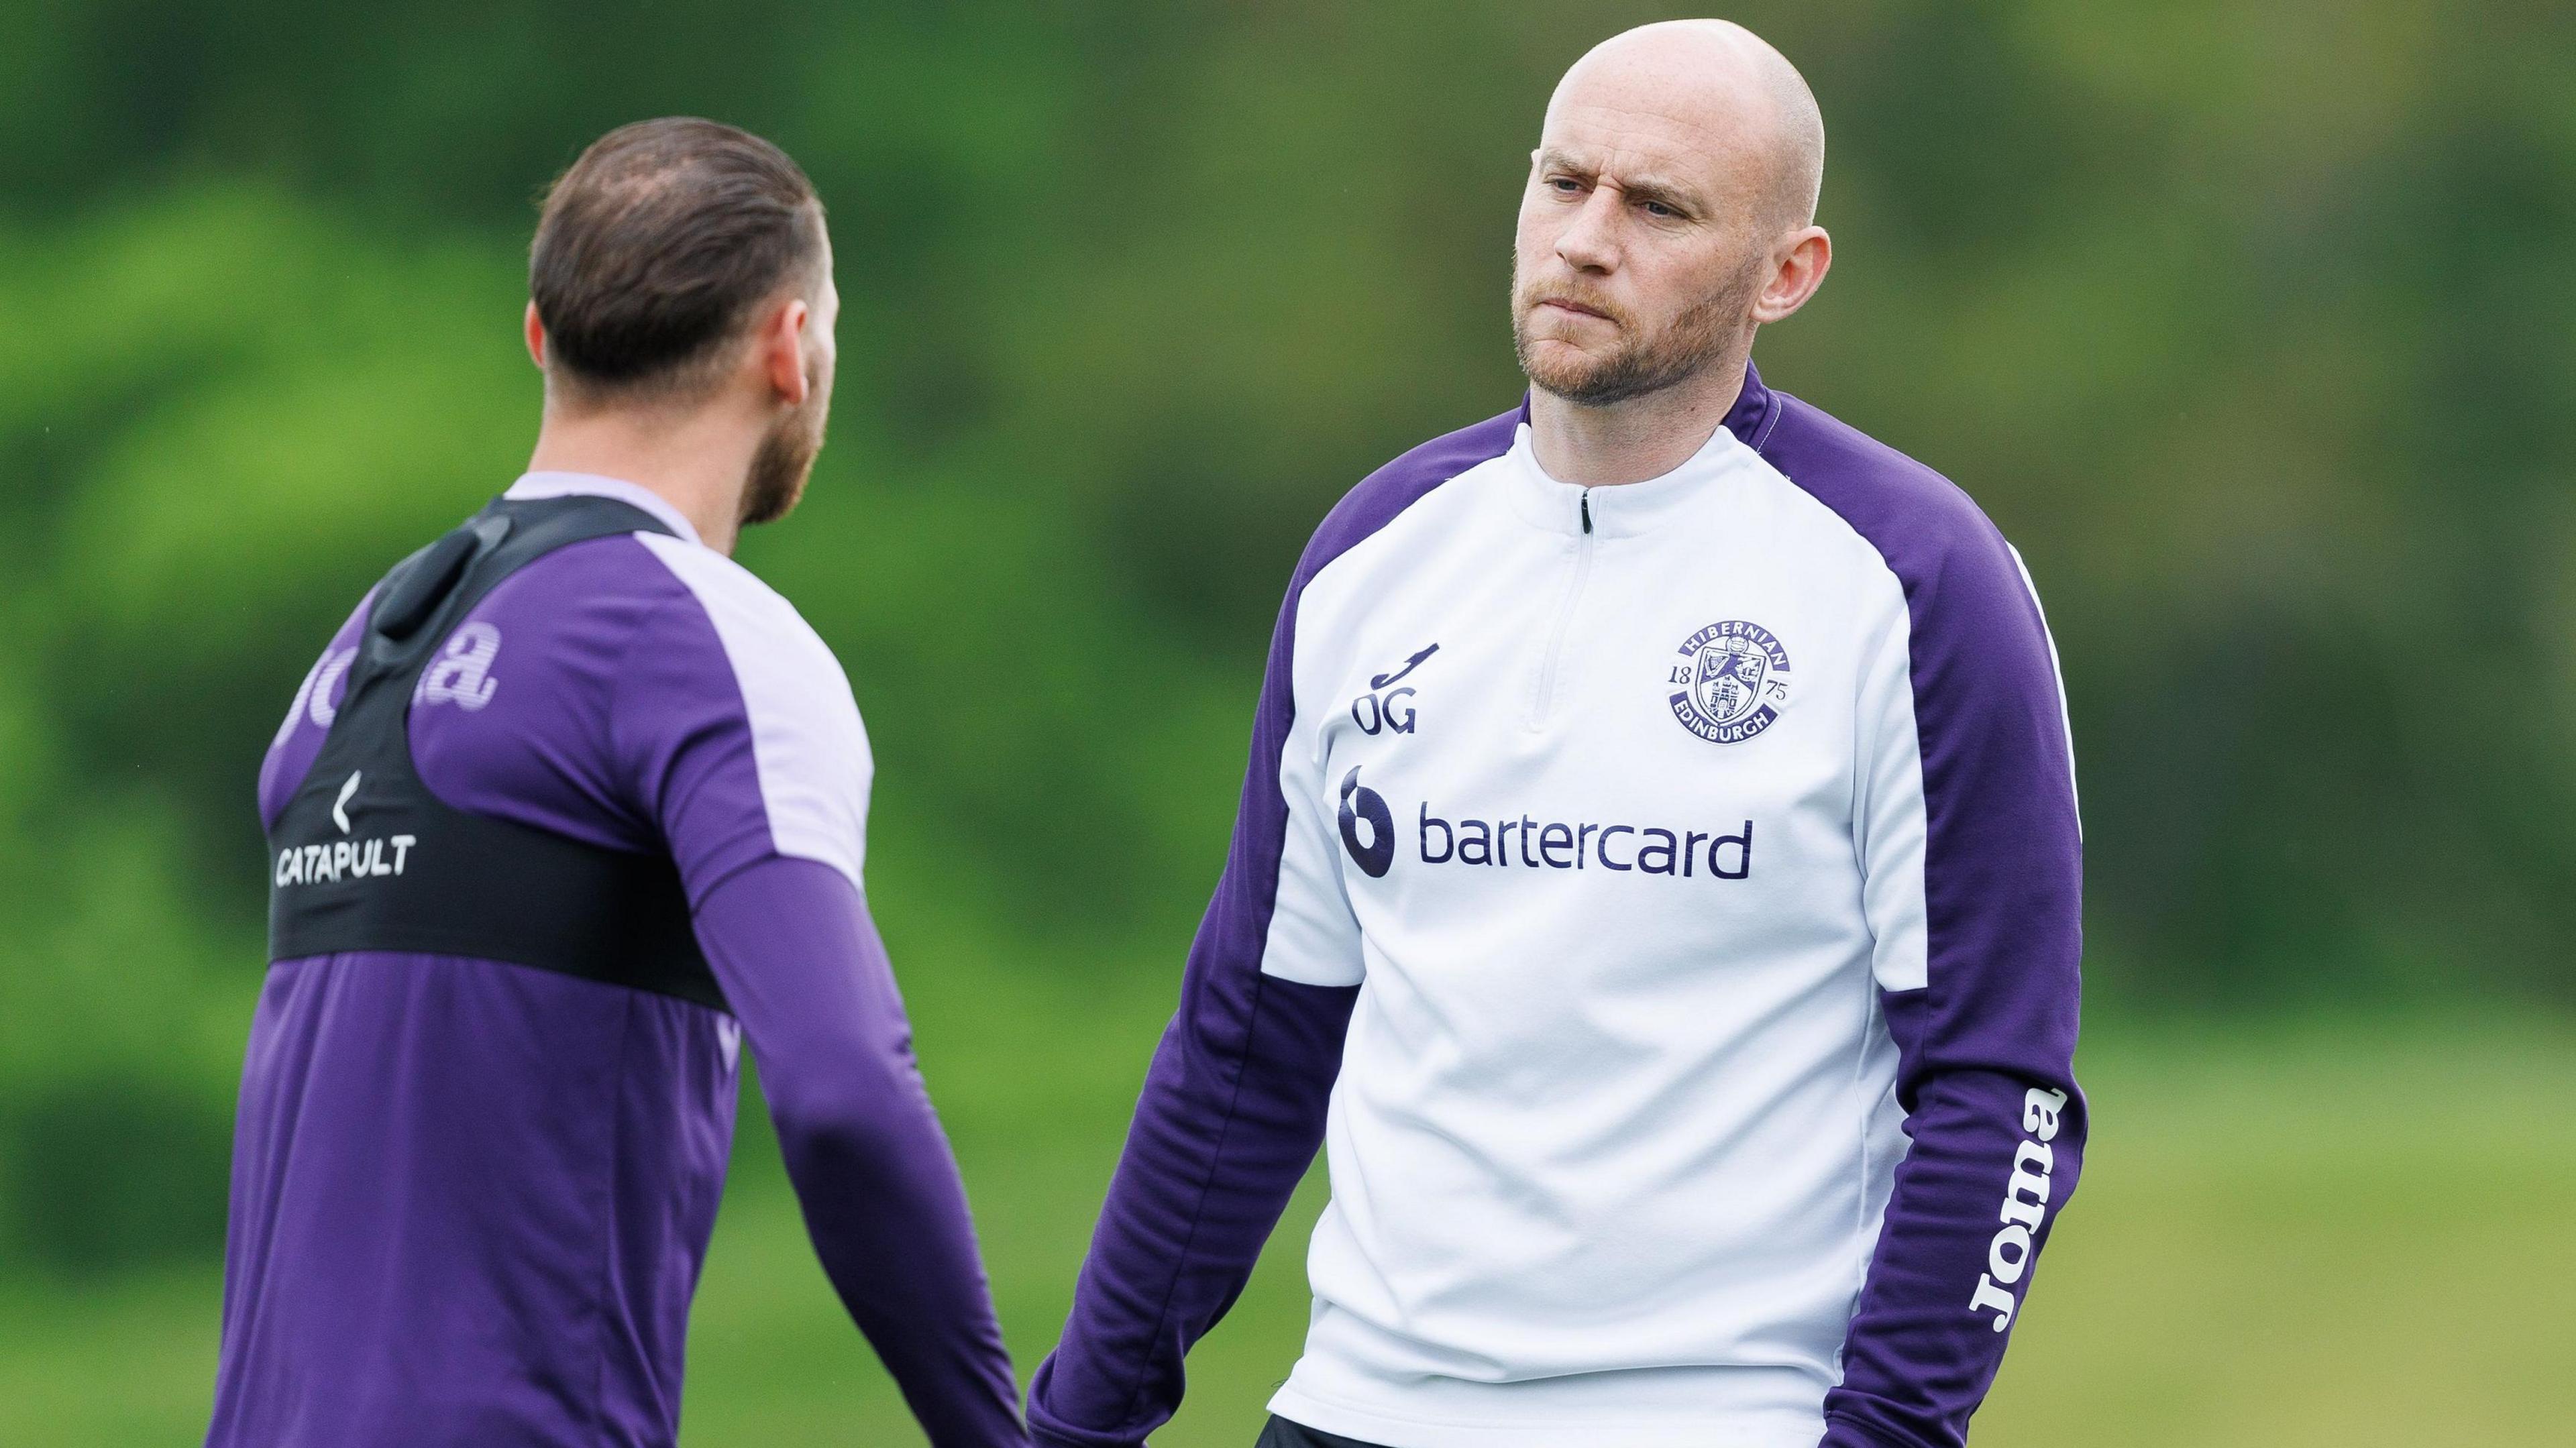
(1283, 1434)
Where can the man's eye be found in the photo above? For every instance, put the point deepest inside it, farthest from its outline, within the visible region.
(1659, 209)
(1565, 185)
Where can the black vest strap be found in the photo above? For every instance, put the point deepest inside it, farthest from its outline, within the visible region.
(366, 858)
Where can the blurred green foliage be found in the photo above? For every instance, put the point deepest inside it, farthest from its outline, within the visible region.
(2248, 324)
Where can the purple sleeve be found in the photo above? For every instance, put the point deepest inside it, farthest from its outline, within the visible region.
(1233, 1107)
(618, 713)
(1230, 1118)
(1986, 1045)
(802, 966)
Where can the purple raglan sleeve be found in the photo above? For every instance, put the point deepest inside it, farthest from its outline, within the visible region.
(736, 733)
(1970, 792)
(1234, 1103)
(1230, 1118)
(805, 972)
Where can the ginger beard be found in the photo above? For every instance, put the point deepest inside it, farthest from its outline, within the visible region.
(785, 458)
(1640, 362)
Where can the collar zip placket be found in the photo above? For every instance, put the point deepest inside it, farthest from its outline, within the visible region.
(1587, 517)
(1543, 698)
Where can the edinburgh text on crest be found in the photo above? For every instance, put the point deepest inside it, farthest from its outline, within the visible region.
(1735, 681)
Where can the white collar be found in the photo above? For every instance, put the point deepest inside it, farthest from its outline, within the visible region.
(592, 485)
(1622, 509)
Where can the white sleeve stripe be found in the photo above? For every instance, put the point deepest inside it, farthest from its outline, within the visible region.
(2065, 719)
(807, 740)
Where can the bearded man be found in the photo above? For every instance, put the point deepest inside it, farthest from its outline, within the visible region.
(1656, 885)
(570, 808)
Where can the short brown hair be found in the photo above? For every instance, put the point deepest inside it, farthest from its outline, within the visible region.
(655, 247)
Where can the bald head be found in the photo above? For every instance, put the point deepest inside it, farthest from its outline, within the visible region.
(1670, 213)
(1715, 90)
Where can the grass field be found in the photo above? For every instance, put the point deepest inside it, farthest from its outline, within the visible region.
(2334, 1236)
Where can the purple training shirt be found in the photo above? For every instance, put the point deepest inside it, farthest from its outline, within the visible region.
(471, 1199)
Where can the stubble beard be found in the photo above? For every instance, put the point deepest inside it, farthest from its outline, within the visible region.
(785, 460)
(1638, 366)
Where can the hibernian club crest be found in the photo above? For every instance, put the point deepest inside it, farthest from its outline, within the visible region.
(1734, 681)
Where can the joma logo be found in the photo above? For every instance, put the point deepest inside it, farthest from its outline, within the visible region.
(2025, 1207)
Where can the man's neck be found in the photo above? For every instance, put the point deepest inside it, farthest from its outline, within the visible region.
(1644, 437)
(698, 462)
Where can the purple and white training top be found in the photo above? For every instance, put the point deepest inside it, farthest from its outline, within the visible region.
(1661, 902)
(470, 1199)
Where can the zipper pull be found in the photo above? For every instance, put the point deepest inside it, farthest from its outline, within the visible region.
(1587, 510)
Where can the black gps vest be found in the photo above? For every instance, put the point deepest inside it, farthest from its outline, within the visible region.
(364, 857)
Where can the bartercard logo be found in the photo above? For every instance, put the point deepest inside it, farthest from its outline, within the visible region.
(1362, 806)
(1734, 683)
(1533, 844)
(1524, 842)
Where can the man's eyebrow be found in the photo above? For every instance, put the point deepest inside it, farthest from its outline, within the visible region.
(1672, 194)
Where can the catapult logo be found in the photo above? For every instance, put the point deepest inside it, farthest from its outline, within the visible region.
(1734, 684)
(1362, 805)
(343, 859)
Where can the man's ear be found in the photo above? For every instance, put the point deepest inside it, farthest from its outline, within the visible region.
(1798, 269)
(781, 350)
(536, 329)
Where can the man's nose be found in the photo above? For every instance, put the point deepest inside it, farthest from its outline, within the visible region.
(1590, 243)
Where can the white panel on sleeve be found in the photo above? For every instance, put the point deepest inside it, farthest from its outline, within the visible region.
(1314, 938)
(1890, 824)
(807, 740)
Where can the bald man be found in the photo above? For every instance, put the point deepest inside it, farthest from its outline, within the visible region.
(1656, 885)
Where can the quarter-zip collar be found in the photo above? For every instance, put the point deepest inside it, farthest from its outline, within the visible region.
(1625, 510)
(592, 485)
